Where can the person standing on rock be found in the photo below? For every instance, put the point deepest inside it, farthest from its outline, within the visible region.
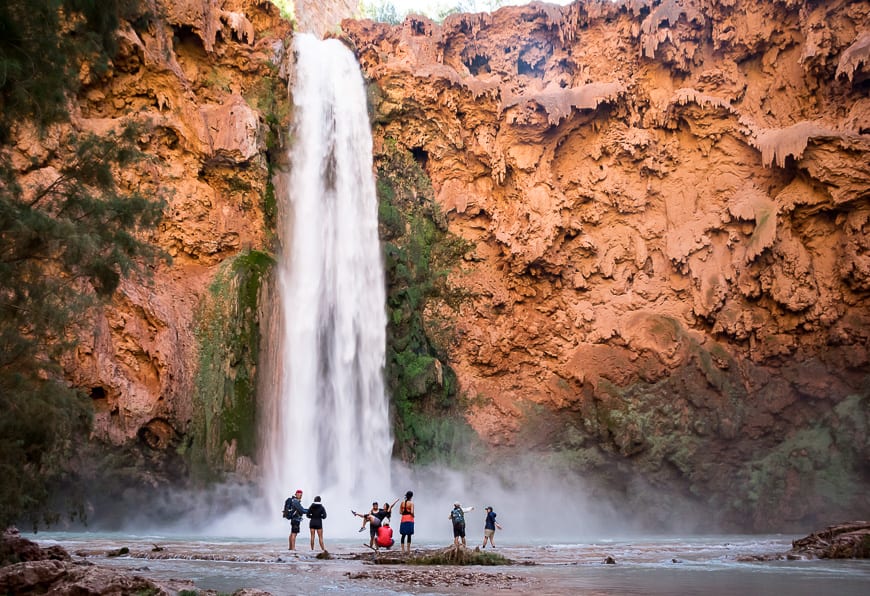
(372, 519)
(406, 526)
(293, 510)
(489, 527)
(316, 513)
(457, 516)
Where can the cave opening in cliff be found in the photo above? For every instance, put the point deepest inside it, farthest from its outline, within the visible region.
(525, 68)
(185, 40)
(421, 156)
(478, 65)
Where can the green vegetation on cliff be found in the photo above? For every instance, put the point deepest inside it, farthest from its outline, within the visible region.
(228, 334)
(419, 254)
(63, 247)
(815, 467)
(687, 448)
(64, 244)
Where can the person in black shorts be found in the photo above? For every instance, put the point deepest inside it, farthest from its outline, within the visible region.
(457, 516)
(293, 510)
(316, 513)
(373, 519)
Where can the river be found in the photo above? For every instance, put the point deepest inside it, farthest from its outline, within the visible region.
(685, 565)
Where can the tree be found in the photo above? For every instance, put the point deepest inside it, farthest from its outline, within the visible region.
(42, 44)
(64, 244)
(382, 12)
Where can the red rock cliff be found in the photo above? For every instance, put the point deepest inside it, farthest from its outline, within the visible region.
(203, 78)
(669, 206)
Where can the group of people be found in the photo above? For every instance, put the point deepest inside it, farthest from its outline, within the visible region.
(316, 512)
(378, 521)
(457, 516)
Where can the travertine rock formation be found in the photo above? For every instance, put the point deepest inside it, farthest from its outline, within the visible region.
(669, 205)
(25, 568)
(849, 540)
(203, 77)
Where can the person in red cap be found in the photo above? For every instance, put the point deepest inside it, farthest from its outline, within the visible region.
(293, 510)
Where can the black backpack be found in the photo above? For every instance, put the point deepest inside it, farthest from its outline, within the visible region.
(288, 508)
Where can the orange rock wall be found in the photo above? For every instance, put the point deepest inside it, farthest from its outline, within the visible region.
(193, 73)
(669, 205)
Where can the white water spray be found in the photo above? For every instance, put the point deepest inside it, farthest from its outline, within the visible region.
(326, 425)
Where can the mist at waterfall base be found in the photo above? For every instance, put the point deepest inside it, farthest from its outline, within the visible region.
(325, 426)
(535, 505)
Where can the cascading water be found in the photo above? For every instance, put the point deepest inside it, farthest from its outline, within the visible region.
(326, 427)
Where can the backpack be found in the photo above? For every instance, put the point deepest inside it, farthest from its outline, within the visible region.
(457, 515)
(292, 508)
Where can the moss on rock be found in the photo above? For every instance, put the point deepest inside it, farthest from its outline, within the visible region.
(419, 253)
(228, 333)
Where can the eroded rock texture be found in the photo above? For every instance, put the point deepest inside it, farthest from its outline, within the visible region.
(669, 204)
(202, 78)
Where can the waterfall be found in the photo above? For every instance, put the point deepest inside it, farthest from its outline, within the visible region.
(325, 421)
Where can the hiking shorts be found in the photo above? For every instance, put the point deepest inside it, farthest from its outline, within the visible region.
(459, 530)
(294, 526)
(406, 528)
(489, 533)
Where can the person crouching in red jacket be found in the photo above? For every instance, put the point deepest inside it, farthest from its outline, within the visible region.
(385, 535)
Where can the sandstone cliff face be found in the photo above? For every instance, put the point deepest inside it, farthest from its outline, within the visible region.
(203, 77)
(669, 206)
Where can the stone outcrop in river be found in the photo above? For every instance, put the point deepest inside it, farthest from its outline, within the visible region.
(25, 568)
(844, 541)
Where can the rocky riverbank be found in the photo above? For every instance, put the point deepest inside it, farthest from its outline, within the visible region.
(132, 564)
(27, 568)
(850, 540)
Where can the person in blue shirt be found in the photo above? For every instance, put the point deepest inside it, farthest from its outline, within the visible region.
(489, 527)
